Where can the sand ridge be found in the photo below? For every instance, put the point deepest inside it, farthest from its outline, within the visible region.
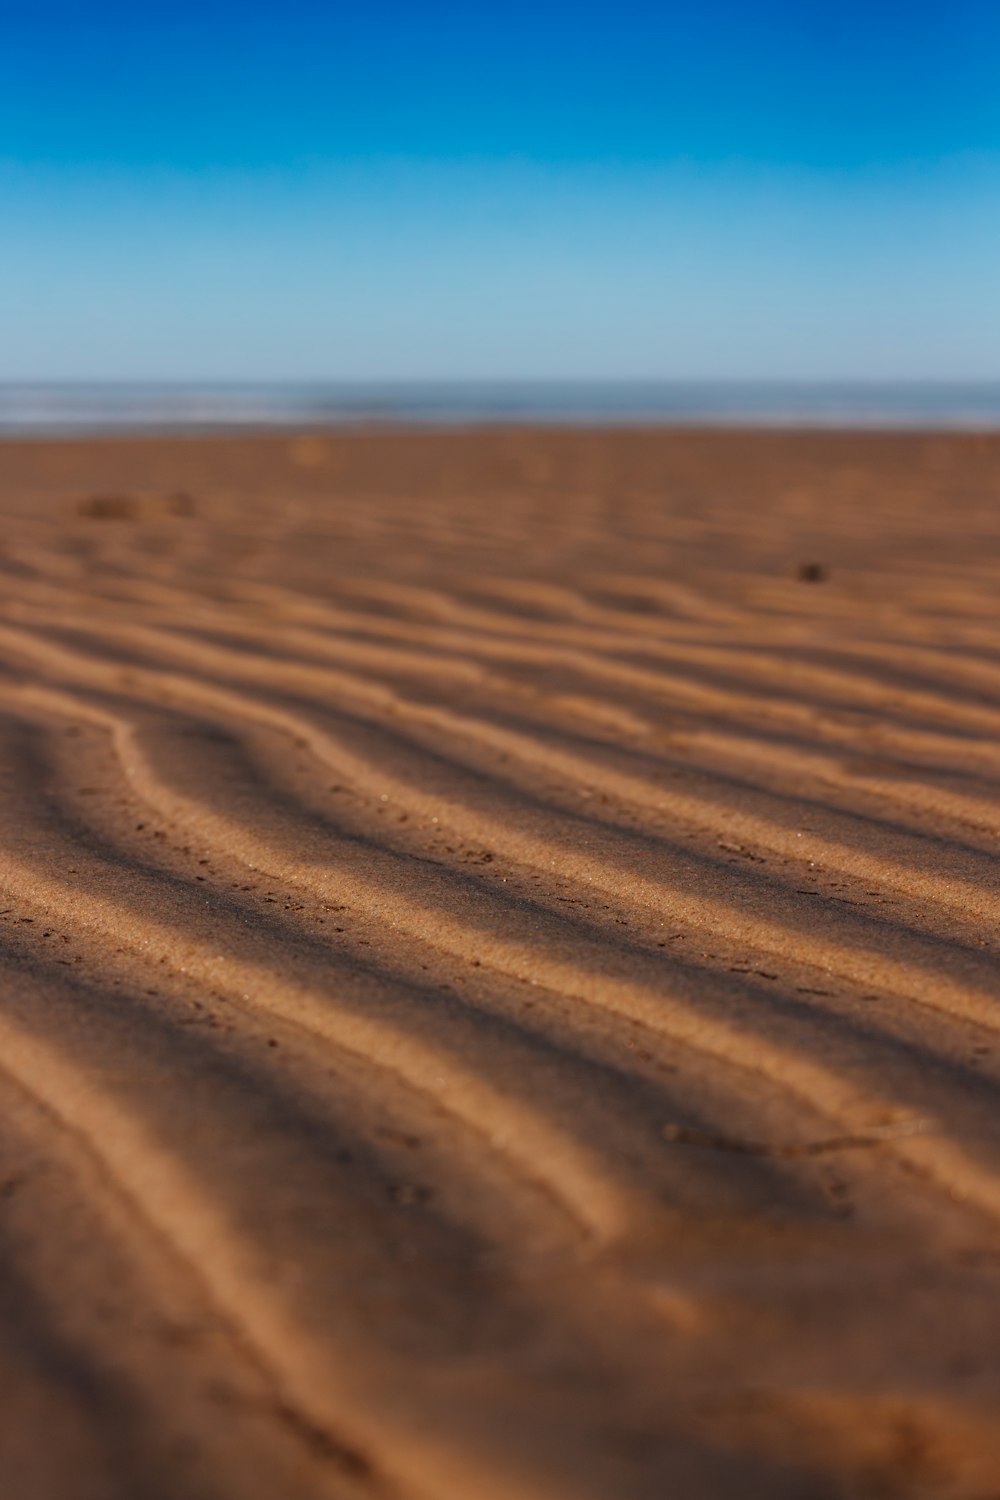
(498, 934)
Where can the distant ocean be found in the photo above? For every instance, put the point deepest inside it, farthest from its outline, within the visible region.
(52, 409)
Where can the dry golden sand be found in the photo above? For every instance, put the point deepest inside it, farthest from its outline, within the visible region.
(499, 989)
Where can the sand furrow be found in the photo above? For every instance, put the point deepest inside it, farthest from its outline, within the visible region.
(763, 830)
(813, 679)
(541, 1152)
(456, 654)
(578, 970)
(840, 941)
(767, 825)
(316, 1395)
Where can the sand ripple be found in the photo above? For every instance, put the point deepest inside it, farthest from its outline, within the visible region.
(500, 998)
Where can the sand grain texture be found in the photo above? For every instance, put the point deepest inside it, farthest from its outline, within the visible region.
(499, 951)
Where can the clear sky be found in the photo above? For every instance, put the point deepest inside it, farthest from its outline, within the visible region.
(302, 190)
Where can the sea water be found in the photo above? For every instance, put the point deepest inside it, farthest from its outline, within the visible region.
(54, 408)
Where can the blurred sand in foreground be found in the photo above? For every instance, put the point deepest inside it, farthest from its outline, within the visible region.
(498, 936)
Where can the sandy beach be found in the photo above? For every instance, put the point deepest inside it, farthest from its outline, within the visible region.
(499, 966)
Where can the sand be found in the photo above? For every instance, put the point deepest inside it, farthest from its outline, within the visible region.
(499, 988)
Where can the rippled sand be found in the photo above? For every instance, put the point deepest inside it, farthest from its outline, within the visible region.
(499, 984)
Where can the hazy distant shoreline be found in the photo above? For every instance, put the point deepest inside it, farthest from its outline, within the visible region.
(51, 409)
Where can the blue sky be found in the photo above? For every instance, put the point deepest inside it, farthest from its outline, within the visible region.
(300, 191)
